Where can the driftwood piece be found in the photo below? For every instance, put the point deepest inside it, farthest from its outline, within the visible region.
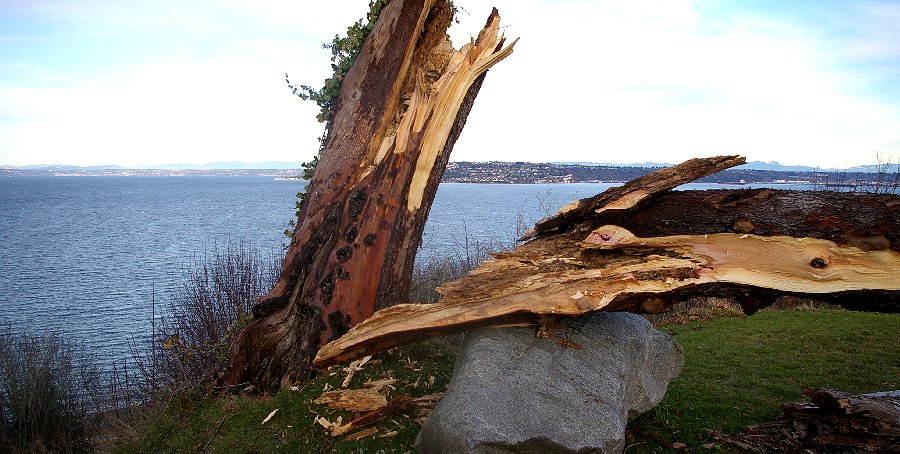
(735, 248)
(835, 421)
(401, 108)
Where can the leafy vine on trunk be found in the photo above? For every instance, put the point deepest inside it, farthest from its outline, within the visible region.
(344, 51)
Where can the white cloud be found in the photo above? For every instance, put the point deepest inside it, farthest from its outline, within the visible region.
(589, 81)
(632, 83)
(167, 113)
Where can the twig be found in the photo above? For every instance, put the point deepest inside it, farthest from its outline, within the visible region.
(231, 386)
(215, 432)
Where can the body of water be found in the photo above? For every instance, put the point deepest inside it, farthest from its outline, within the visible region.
(84, 256)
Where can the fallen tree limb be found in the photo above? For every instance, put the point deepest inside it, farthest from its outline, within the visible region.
(584, 267)
(835, 421)
(614, 270)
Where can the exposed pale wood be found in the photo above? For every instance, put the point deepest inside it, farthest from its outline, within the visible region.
(361, 434)
(367, 399)
(613, 266)
(352, 369)
(270, 416)
(400, 110)
(803, 265)
(378, 384)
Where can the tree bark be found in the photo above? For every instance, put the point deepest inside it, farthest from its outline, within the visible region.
(400, 110)
(641, 248)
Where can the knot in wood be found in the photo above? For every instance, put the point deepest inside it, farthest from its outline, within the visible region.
(351, 234)
(344, 253)
(356, 204)
(370, 239)
(818, 262)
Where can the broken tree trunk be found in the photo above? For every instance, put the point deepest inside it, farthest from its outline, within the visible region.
(400, 110)
(642, 248)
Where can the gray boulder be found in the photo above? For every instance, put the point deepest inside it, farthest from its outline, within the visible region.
(514, 392)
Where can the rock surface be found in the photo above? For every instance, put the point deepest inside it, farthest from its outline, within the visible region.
(572, 392)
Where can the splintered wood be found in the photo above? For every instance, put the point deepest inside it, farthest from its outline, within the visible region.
(805, 265)
(642, 248)
(338, 428)
(367, 399)
(353, 368)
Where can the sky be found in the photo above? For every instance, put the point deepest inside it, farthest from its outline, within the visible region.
(137, 83)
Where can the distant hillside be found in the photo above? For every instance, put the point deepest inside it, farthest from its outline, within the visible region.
(525, 172)
(753, 165)
(231, 165)
(478, 172)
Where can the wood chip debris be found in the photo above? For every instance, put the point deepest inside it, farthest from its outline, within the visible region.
(412, 365)
(396, 404)
(270, 416)
(428, 400)
(361, 434)
(328, 425)
(379, 384)
(353, 368)
(367, 399)
(341, 430)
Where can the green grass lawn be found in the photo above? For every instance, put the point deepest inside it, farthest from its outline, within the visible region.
(737, 372)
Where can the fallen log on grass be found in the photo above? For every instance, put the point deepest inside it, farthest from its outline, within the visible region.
(642, 248)
(835, 421)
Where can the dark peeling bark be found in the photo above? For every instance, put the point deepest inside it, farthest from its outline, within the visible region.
(868, 221)
(400, 110)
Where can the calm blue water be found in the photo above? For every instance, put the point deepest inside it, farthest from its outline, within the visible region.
(83, 255)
